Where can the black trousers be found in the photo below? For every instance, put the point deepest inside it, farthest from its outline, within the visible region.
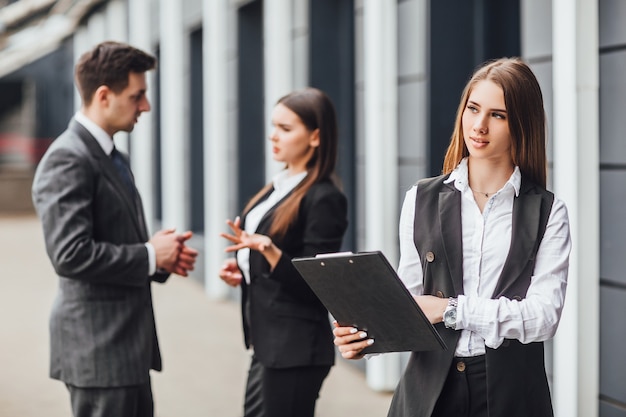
(464, 393)
(285, 392)
(131, 401)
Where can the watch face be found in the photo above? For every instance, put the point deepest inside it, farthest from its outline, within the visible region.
(449, 318)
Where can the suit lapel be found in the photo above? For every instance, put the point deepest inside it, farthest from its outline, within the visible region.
(450, 220)
(108, 170)
(265, 222)
(140, 217)
(526, 228)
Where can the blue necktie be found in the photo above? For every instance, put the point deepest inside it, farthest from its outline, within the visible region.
(123, 169)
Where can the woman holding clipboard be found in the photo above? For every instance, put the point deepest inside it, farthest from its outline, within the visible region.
(485, 252)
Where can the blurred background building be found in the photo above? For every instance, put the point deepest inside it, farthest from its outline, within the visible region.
(395, 70)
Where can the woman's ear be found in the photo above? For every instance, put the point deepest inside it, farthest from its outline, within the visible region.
(314, 138)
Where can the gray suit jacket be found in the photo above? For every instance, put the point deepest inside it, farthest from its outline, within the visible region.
(102, 330)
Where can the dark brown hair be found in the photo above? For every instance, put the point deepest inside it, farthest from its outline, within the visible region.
(526, 117)
(316, 111)
(109, 63)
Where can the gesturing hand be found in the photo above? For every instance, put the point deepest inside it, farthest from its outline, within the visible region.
(242, 239)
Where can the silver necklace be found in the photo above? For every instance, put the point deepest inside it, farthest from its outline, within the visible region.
(481, 193)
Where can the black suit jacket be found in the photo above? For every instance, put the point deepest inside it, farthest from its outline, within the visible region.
(283, 319)
(102, 330)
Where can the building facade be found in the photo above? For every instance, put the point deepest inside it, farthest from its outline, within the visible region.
(395, 71)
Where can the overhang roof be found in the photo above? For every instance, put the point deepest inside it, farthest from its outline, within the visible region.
(31, 29)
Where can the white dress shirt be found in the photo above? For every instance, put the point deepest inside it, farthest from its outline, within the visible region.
(106, 143)
(283, 183)
(486, 242)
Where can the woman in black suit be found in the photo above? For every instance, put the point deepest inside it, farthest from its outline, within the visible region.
(301, 212)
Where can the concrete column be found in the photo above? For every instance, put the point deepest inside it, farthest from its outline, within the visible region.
(85, 38)
(116, 29)
(576, 181)
(381, 153)
(81, 44)
(216, 134)
(116, 21)
(300, 43)
(278, 53)
(97, 29)
(174, 140)
(142, 137)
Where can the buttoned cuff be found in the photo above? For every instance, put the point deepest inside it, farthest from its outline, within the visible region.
(460, 310)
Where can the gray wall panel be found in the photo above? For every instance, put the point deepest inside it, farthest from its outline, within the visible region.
(407, 177)
(360, 161)
(300, 62)
(613, 338)
(610, 410)
(612, 227)
(612, 105)
(359, 120)
(536, 28)
(612, 17)
(300, 43)
(412, 95)
(612, 14)
(411, 38)
(358, 41)
(413, 116)
(192, 13)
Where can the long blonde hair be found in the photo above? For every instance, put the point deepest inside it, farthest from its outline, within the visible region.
(526, 117)
(316, 111)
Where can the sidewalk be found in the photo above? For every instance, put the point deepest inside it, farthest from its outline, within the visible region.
(204, 360)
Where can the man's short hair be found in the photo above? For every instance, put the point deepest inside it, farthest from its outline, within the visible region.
(109, 63)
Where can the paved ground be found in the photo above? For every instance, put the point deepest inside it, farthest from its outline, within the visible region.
(204, 360)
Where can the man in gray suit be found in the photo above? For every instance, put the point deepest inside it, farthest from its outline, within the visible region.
(102, 330)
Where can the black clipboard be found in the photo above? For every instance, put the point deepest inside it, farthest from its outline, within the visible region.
(363, 290)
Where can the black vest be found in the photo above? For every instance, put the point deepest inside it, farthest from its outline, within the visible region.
(516, 380)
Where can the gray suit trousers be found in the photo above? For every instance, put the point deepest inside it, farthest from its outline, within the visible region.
(133, 401)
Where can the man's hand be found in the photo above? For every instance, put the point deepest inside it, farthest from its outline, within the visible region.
(186, 257)
(166, 246)
(171, 252)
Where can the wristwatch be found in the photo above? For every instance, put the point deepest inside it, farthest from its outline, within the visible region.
(449, 314)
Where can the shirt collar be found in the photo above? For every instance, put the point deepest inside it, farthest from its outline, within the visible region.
(285, 182)
(460, 177)
(102, 137)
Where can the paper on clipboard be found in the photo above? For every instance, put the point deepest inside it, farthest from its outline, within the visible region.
(364, 291)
